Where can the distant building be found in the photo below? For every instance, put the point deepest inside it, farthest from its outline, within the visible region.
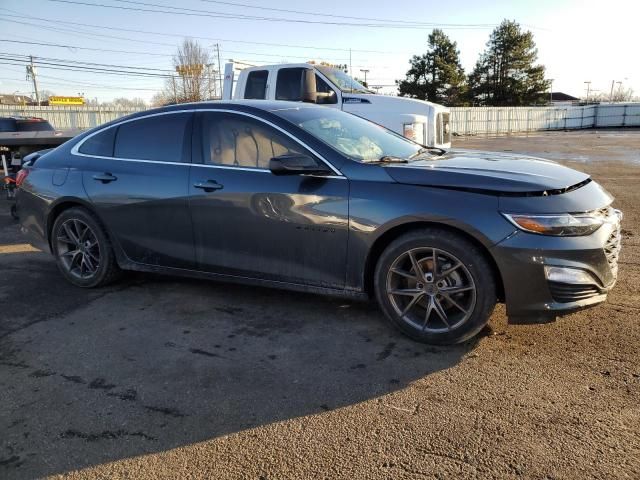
(15, 99)
(559, 98)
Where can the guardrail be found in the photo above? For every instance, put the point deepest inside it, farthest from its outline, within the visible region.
(464, 120)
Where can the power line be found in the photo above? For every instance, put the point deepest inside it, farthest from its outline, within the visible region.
(71, 85)
(46, 44)
(72, 68)
(211, 14)
(159, 43)
(320, 14)
(90, 63)
(181, 35)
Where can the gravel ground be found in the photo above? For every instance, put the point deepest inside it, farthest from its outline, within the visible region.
(159, 377)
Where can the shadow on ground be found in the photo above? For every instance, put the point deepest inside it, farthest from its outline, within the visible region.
(155, 363)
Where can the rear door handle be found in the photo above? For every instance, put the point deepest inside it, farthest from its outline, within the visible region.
(209, 186)
(105, 177)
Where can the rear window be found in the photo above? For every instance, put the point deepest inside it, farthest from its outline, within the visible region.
(100, 144)
(256, 85)
(160, 138)
(289, 85)
(33, 126)
(7, 125)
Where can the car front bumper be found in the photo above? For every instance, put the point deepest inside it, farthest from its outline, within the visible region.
(522, 258)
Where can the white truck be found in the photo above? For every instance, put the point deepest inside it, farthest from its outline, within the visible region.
(424, 122)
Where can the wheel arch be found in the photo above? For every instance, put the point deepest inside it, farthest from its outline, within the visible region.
(385, 239)
(64, 204)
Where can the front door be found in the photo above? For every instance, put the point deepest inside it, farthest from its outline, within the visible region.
(249, 222)
(136, 175)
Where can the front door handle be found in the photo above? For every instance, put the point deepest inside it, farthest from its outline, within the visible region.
(105, 177)
(209, 186)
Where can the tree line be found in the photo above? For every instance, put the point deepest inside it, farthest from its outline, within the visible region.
(506, 73)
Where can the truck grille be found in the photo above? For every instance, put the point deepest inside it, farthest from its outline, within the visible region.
(568, 292)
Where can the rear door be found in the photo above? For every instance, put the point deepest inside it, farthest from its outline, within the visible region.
(136, 175)
(251, 223)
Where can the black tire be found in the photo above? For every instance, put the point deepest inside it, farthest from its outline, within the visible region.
(106, 268)
(394, 283)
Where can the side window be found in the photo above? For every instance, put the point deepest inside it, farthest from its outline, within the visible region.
(236, 140)
(256, 85)
(100, 144)
(161, 138)
(327, 94)
(289, 84)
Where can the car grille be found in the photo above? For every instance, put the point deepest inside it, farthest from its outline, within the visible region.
(614, 242)
(568, 292)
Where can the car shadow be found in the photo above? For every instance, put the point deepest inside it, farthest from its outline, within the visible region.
(154, 363)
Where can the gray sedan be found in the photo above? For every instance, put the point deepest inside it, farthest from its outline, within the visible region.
(309, 198)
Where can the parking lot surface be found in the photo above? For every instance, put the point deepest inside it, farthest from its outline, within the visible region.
(161, 377)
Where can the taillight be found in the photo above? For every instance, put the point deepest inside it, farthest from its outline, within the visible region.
(22, 176)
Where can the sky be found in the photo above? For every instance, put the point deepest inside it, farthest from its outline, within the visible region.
(577, 41)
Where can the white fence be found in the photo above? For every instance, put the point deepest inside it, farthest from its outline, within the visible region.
(62, 117)
(505, 120)
(464, 120)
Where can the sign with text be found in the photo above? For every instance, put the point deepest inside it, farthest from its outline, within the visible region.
(66, 100)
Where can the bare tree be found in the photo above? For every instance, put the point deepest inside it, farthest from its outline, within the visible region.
(123, 102)
(192, 81)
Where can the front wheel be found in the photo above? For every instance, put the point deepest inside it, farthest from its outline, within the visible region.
(435, 286)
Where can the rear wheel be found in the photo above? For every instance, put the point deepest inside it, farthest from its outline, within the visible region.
(82, 249)
(435, 286)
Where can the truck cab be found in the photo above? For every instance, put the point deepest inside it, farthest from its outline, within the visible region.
(424, 122)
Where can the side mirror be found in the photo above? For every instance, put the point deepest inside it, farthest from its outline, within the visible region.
(296, 164)
(309, 93)
(327, 98)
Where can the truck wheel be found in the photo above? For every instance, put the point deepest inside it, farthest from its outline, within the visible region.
(82, 249)
(435, 286)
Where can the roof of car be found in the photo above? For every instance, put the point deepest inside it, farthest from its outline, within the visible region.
(267, 105)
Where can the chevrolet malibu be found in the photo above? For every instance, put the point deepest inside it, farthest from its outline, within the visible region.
(312, 199)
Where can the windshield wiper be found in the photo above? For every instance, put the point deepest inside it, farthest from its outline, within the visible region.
(387, 159)
(439, 151)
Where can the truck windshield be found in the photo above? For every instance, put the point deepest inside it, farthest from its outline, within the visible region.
(352, 136)
(343, 81)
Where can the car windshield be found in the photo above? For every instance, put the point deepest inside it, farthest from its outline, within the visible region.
(352, 136)
(343, 81)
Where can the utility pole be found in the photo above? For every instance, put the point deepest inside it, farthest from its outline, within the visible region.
(611, 94)
(350, 71)
(175, 95)
(551, 91)
(365, 71)
(588, 89)
(219, 69)
(31, 72)
(210, 95)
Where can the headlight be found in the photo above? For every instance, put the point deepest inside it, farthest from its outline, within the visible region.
(415, 132)
(560, 225)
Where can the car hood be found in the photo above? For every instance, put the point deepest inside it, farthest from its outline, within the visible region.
(489, 172)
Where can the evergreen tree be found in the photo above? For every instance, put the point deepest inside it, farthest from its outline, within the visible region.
(437, 75)
(506, 73)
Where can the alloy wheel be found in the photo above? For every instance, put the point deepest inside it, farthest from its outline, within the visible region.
(78, 248)
(431, 290)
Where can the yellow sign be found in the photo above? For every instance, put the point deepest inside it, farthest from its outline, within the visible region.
(195, 69)
(66, 100)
